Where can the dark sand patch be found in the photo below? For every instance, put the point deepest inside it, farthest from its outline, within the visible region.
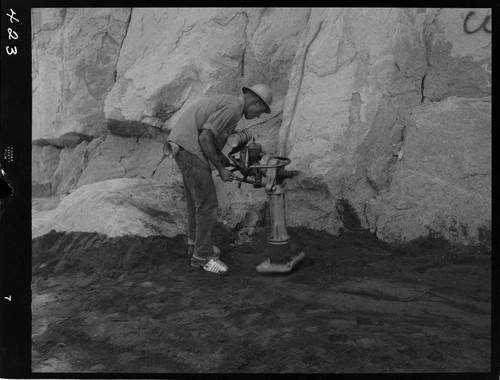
(355, 304)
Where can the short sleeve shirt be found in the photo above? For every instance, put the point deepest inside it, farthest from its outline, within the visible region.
(219, 113)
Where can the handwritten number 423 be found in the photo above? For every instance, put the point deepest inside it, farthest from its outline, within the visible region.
(12, 33)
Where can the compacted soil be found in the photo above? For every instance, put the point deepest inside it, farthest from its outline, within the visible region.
(353, 305)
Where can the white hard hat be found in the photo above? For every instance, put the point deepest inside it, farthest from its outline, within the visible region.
(263, 92)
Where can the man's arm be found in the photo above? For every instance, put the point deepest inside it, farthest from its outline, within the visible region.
(208, 147)
(225, 161)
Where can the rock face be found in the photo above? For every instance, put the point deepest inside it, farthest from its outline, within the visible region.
(75, 52)
(442, 179)
(360, 79)
(387, 110)
(56, 170)
(171, 58)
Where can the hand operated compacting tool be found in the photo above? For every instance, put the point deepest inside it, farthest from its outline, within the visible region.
(269, 172)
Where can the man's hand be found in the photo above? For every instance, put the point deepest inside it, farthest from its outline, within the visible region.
(226, 175)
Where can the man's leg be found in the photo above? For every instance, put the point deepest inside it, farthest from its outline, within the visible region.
(191, 217)
(184, 160)
(191, 229)
(205, 198)
(201, 200)
(198, 179)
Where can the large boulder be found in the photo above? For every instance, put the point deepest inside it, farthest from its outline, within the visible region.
(124, 206)
(442, 181)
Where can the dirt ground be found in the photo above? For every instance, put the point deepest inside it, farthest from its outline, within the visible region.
(354, 305)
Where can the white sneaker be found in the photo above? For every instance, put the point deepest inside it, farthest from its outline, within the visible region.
(214, 265)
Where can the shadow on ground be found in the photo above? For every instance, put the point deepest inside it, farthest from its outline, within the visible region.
(353, 305)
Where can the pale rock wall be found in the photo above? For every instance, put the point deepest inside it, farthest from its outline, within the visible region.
(44, 163)
(345, 85)
(366, 102)
(459, 58)
(120, 157)
(75, 52)
(358, 76)
(55, 170)
(171, 58)
(442, 183)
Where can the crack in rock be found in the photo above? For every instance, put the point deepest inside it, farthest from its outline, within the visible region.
(295, 102)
